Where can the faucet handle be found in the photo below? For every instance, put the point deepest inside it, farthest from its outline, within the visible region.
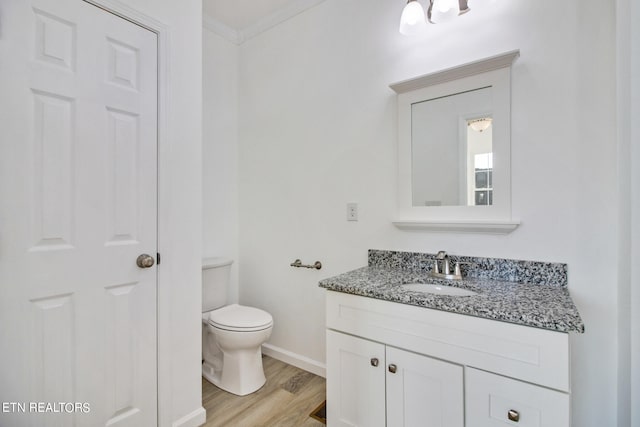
(445, 268)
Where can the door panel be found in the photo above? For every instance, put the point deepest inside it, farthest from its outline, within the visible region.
(423, 391)
(78, 196)
(355, 388)
(53, 148)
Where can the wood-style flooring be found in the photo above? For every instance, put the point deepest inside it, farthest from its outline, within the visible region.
(286, 400)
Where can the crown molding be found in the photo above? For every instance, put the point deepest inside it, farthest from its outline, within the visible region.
(240, 36)
(223, 30)
(278, 17)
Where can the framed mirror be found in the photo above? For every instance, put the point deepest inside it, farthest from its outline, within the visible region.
(454, 148)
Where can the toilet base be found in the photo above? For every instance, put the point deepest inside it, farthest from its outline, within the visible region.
(209, 373)
(242, 374)
(233, 358)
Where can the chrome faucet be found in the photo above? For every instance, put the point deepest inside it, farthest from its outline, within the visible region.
(443, 258)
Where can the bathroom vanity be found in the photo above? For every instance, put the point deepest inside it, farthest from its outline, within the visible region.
(397, 356)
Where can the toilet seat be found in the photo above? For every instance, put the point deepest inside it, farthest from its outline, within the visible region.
(238, 318)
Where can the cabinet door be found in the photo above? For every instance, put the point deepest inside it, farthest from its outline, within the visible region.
(355, 381)
(422, 391)
(495, 401)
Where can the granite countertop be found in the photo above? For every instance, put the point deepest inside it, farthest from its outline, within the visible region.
(537, 305)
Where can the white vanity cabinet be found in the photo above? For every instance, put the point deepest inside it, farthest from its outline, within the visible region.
(451, 370)
(416, 390)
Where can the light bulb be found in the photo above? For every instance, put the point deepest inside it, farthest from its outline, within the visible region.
(412, 20)
(443, 11)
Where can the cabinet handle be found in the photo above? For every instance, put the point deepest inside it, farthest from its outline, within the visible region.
(393, 368)
(513, 415)
(374, 361)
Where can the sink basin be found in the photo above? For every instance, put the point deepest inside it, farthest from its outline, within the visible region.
(438, 289)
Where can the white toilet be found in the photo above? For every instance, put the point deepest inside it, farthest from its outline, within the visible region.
(232, 335)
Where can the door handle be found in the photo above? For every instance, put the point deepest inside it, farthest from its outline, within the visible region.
(145, 261)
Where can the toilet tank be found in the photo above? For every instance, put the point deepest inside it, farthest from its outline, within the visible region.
(215, 282)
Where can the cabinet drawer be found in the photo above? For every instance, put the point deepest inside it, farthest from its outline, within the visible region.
(495, 401)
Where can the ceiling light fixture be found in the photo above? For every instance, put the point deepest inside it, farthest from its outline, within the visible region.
(480, 125)
(413, 20)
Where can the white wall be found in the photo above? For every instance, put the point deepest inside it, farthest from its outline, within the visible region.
(623, 78)
(317, 129)
(220, 152)
(634, 264)
(180, 211)
(628, 91)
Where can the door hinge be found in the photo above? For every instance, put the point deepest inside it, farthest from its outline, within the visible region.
(157, 258)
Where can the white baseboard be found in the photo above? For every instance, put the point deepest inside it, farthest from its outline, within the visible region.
(194, 419)
(295, 359)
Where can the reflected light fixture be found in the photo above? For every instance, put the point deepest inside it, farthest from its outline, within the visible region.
(481, 124)
(413, 20)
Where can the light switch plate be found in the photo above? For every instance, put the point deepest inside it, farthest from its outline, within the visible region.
(352, 211)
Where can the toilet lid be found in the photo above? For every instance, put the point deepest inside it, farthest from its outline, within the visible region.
(240, 318)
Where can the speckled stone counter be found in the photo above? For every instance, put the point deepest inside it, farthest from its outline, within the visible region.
(523, 292)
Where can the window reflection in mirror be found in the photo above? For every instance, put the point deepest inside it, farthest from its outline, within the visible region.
(451, 150)
(479, 162)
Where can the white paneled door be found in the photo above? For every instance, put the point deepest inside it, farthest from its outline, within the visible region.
(78, 161)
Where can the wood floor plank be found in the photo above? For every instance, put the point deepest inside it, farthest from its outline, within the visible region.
(310, 422)
(259, 414)
(286, 400)
(298, 410)
(297, 382)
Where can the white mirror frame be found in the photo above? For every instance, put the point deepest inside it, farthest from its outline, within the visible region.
(495, 72)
